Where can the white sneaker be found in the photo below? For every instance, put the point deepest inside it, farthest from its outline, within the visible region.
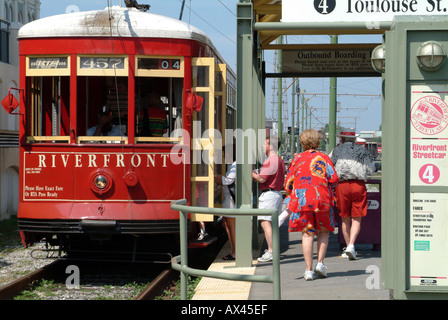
(350, 252)
(308, 276)
(202, 236)
(321, 269)
(267, 256)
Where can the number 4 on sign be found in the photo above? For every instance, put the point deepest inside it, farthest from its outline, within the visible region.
(429, 174)
(323, 5)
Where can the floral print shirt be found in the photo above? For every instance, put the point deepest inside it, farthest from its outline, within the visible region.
(310, 182)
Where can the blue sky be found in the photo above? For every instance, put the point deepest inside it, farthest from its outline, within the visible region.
(359, 98)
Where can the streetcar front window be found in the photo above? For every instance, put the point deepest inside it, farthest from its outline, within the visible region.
(48, 109)
(102, 113)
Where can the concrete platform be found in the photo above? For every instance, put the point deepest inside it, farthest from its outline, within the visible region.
(347, 279)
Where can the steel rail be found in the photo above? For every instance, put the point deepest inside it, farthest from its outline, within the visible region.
(12, 289)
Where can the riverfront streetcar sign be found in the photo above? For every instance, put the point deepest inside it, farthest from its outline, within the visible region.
(429, 168)
(358, 10)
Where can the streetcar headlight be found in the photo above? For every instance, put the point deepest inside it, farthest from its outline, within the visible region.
(101, 182)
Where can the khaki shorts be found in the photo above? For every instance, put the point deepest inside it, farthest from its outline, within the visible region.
(270, 200)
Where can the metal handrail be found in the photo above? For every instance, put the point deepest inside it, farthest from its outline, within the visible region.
(183, 209)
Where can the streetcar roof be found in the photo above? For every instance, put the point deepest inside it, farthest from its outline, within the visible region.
(125, 23)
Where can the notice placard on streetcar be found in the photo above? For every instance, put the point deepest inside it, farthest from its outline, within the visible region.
(429, 135)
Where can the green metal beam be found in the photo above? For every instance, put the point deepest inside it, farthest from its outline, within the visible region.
(325, 28)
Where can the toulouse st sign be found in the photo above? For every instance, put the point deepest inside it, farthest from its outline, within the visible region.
(357, 10)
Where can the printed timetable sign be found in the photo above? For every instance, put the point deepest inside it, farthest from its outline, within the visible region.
(428, 234)
(429, 135)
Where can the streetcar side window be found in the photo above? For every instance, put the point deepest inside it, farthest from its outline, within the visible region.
(48, 109)
(158, 109)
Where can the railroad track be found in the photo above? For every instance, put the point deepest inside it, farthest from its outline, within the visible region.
(13, 289)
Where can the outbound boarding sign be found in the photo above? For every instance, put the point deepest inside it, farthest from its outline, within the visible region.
(337, 62)
(367, 11)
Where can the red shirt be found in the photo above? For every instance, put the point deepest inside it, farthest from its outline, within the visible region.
(273, 171)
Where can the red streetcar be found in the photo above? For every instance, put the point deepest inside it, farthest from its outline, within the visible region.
(94, 167)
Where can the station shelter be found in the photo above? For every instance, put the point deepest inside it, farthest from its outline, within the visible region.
(411, 62)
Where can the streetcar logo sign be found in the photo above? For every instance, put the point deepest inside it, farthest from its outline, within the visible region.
(429, 115)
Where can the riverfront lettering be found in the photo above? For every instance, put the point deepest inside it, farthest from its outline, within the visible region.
(392, 6)
(102, 161)
(429, 151)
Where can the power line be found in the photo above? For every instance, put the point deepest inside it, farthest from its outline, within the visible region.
(217, 30)
(226, 7)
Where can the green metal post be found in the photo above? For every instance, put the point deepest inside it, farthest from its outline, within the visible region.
(276, 257)
(333, 107)
(298, 117)
(280, 97)
(245, 119)
(303, 116)
(180, 205)
(184, 252)
(293, 94)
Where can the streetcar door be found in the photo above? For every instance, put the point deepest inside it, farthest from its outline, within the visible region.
(205, 139)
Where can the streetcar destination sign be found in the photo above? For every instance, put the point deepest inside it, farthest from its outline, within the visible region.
(358, 10)
(48, 63)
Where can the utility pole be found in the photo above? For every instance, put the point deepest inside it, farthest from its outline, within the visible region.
(333, 106)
